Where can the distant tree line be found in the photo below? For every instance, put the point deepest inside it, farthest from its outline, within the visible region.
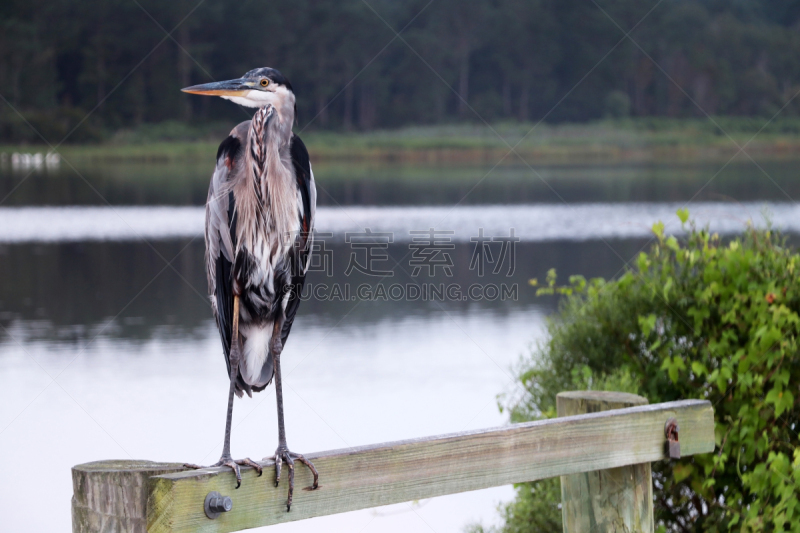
(454, 60)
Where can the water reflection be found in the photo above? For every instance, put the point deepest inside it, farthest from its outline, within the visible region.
(364, 184)
(71, 292)
(529, 223)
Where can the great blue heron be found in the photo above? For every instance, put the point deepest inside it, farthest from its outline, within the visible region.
(259, 223)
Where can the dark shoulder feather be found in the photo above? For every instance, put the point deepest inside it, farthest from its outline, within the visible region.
(229, 148)
(305, 185)
(302, 169)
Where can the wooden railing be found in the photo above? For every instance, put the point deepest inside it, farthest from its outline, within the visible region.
(601, 445)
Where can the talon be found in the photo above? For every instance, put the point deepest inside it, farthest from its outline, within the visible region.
(311, 467)
(249, 462)
(278, 461)
(233, 465)
(282, 455)
(290, 464)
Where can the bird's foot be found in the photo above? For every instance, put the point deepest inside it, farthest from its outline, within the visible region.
(233, 464)
(282, 454)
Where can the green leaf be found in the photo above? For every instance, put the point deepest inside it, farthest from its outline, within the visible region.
(667, 287)
(643, 262)
(672, 243)
(658, 229)
(673, 366)
(683, 214)
(781, 399)
(647, 323)
(551, 277)
(699, 368)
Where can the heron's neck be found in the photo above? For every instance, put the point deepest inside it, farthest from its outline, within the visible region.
(269, 163)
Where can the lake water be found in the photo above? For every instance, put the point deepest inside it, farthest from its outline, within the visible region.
(108, 348)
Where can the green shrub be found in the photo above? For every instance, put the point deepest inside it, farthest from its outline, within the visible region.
(695, 318)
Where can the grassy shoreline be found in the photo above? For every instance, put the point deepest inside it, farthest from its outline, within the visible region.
(602, 142)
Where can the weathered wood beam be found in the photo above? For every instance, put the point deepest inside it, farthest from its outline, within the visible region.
(382, 474)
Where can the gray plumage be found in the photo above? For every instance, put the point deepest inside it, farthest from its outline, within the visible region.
(269, 239)
(259, 234)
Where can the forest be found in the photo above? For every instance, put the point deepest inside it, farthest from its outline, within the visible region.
(370, 64)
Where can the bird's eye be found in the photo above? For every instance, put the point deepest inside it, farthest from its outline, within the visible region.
(264, 82)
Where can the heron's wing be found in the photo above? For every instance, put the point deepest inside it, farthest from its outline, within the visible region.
(221, 239)
(301, 252)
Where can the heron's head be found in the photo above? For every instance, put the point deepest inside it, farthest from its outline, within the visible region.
(257, 88)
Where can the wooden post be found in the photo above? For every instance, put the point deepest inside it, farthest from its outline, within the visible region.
(613, 500)
(111, 496)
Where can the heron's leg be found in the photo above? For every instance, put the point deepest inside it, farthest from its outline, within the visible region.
(235, 358)
(282, 453)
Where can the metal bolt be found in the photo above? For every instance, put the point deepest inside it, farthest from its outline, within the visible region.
(671, 429)
(216, 504)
